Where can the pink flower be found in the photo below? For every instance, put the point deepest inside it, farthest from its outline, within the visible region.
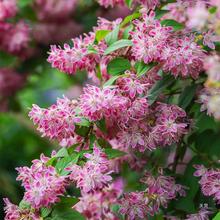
(16, 38)
(198, 15)
(133, 205)
(42, 184)
(203, 214)
(169, 127)
(70, 60)
(210, 38)
(10, 82)
(149, 39)
(13, 212)
(131, 85)
(97, 103)
(110, 3)
(160, 190)
(57, 122)
(8, 9)
(97, 205)
(149, 4)
(54, 10)
(183, 57)
(212, 66)
(209, 181)
(94, 175)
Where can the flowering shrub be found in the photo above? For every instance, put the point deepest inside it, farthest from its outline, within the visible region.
(149, 74)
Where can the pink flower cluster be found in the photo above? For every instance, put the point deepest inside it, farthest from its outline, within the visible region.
(209, 181)
(70, 60)
(155, 43)
(8, 9)
(13, 212)
(150, 4)
(98, 192)
(203, 214)
(57, 122)
(94, 175)
(160, 190)
(42, 184)
(54, 9)
(97, 103)
(14, 38)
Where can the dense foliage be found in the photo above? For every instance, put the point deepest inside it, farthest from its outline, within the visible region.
(141, 140)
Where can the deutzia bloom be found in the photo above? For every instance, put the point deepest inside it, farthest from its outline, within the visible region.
(57, 122)
(209, 181)
(42, 184)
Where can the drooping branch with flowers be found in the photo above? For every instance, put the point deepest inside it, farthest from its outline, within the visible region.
(147, 83)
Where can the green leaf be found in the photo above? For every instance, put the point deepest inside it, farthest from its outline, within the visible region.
(113, 153)
(213, 10)
(172, 23)
(91, 50)
(44, 212)
(7, 59)
(112, 37)
(217, 217)
(127, 31)
(187, 96)
(66, 162)
(84, 122)
(112, 80)
(82, 130)
(101, 125)
(118, 66)
(64, 211)
(160, 13)
(130, 18)
(101, 34)
(117, 45)
(158, 88)
(129, 3)
(24, 3)
(24, 205)
(142, 68)
(62, 153)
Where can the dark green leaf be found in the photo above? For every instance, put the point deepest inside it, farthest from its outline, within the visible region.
(82, 130)
(187, 96)
(101, 125)
(118, 66)
(64, 211)
(117, 45)
(158, 88)
(7, 59)
(112, 37)
(172, 23)
(142, 68)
